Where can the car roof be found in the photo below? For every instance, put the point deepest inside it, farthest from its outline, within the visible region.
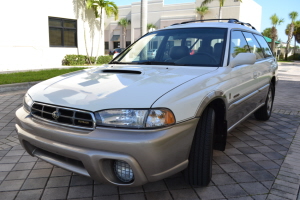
(212, 25)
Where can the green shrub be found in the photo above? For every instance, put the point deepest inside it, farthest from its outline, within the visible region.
(297, 57)
(71, 60)
(74, 60)
(92, 59)
(104, 59)
(281, 56)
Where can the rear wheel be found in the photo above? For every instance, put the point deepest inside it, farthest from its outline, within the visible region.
(199, 170)
(264, 113)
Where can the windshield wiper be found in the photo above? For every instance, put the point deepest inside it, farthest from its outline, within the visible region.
(157, 63)
(118, 62)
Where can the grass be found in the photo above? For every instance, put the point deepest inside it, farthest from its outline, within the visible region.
(30, 76)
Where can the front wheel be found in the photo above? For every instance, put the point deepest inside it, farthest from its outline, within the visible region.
(199, 170)
(264, 113)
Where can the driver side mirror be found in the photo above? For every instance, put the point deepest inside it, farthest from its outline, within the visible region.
(243, 59)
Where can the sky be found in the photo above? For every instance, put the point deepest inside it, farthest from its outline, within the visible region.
(269, 7)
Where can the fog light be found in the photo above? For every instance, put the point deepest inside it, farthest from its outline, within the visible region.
(123, 171)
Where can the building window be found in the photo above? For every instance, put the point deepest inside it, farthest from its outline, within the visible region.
(116, 45)
(106, 45)
(128, 43)
(62, 32)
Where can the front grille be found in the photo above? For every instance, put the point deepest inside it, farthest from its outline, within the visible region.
(64, 116)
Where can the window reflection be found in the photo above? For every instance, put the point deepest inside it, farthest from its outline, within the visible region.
(238, 44)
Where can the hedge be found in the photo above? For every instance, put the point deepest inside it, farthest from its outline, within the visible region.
(297, 57)
(83, 60)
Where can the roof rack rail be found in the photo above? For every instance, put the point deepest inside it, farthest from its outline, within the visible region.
(230, 20)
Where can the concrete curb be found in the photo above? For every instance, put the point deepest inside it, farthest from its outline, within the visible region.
(17, 86)
(286, 184)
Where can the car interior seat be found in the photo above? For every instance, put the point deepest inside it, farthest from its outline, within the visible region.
(178, 52)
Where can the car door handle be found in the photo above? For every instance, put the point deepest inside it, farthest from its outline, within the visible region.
(270, 69)
(255, 75)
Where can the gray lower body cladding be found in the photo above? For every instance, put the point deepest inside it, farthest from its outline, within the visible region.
(152, 154)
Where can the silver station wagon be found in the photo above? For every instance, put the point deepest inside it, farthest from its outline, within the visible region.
(144, 117)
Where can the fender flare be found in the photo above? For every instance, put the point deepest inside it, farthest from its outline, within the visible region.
(218, 94)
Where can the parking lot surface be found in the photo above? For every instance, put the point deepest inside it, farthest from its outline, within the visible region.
(261, 160)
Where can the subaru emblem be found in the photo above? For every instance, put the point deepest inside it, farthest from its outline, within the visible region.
(56, 115)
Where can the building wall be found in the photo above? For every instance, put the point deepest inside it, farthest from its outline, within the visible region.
(162, 15)
(251, 12)
(24, 41)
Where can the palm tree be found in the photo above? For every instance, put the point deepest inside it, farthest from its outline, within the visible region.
(293, 16)
(149, 26)
(124, 22)
(295, 33)
(267, 32)
(221, 3)
(275, 21)
(202, 10)
(101, 7)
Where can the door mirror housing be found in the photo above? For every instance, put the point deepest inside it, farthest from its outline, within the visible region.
(243, 59)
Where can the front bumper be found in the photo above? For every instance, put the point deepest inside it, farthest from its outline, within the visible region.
(152, 154)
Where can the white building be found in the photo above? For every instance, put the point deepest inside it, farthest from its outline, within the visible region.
(38, 34)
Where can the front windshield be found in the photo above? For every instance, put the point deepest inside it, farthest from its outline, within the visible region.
(185, 47)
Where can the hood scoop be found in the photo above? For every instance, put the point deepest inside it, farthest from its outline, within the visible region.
(119, 71)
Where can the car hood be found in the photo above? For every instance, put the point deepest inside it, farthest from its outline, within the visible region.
(114, 86)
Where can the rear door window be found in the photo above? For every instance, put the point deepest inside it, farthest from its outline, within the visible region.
(254, 46)
(266, 49)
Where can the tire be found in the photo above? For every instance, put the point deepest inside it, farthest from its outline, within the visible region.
(264, 113)
(199, 170)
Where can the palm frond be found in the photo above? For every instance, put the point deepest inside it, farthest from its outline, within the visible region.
(280, 21)
(293, 15)
(149, 26)
(89, 4)
(202, 10)
(275, 20)
(205, 2)
(221, 3)
(124, 22)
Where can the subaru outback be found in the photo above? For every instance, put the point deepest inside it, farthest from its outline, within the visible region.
(142, 118)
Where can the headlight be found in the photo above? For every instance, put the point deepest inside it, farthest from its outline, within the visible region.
(135, 118)
(160, 117)
(27, 102)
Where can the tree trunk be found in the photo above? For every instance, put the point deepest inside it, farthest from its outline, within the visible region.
(100, 36)
(273, 45)
(295, 48)
(289, 40)
(86, 49)
(220, 13)
(273, 37)
(201, 17)
(124, 37)
(83, 16)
